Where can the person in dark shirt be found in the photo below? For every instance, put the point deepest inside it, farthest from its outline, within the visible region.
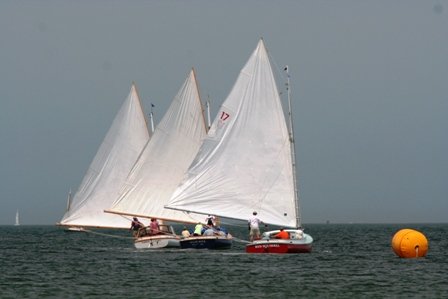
(136, 225)
(210, 220)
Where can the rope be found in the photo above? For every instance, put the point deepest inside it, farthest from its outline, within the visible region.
(240, 240)
(106, 235)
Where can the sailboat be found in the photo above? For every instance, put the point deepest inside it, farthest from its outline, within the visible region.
(246, 162)
(17, 223)
(112, 163)
(161, 166)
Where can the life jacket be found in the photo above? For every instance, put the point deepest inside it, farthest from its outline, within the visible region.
(282, 235)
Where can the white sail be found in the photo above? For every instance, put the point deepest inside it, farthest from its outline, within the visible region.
(17, 218)
(244, 164)
(117, 154)
(165, 159)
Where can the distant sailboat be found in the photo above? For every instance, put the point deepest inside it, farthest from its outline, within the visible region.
(17, 223)
(162, 165)
(117, 154)
(246, 163)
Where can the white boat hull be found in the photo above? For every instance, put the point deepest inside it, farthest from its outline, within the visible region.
(157, 242)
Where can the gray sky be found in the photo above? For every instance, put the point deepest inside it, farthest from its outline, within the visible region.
(369, 78)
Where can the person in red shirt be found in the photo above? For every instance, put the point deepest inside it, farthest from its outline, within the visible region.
(282, 234)
(154, 227)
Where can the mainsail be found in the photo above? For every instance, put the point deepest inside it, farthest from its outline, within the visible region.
(117, 154)
(165, 159)
(244, 164)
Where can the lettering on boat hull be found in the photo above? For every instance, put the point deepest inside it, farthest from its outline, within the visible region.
(206, 243)
(272, 247)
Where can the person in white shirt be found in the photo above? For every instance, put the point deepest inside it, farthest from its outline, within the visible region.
(185, 232)
(254, 227)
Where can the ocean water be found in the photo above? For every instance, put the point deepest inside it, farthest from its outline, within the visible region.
(348, 261)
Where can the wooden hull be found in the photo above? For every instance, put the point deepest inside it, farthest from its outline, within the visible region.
(206, 242)
(293, 245)
(157, 242)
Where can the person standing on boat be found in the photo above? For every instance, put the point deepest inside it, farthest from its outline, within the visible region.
(254, 227)
(210, 220)
(154, 227)
(136, 225)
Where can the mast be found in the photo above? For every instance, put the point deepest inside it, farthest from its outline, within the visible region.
(151, 116)
(293, 152)
(200, 101)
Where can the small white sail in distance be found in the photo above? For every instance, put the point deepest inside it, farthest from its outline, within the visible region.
(17, 218)
(244, 164)
(165, 159)
(112, 163)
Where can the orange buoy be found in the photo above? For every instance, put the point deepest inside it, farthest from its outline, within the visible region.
(409, 243)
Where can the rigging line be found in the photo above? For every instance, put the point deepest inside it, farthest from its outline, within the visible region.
(106, 235)
(240, 240)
